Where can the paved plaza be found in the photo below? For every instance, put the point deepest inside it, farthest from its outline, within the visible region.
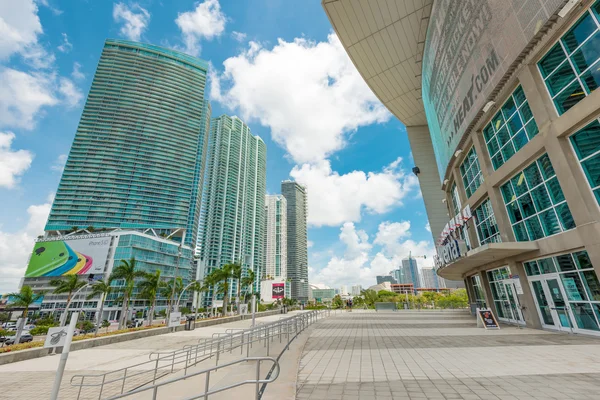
(443, 355)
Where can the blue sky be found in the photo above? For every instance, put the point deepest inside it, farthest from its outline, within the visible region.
(275, 63)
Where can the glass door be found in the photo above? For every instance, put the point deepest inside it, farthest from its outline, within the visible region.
(551, 304)
(512, 301)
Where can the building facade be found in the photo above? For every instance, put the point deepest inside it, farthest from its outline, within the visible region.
(505, 105)
(297, 238)
(385, 278)
(410, 272)
(356, 289)
(431, 280)
(234, 220)
(276, 240)
(139, 152)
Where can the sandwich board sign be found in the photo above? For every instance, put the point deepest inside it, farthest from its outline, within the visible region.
(486, 318)
(174, 319)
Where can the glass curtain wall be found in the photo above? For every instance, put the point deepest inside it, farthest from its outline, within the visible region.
(586, 144)
(470, 172)
(485, 224)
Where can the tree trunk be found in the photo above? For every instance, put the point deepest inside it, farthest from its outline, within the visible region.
(151, 316)
(124, 308)
(99, 320)
(65, 315)
(239, 293)
(225, 299)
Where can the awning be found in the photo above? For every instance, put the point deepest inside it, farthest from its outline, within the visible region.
(483, 255)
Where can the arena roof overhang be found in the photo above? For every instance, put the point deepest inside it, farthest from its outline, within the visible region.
(385, 41)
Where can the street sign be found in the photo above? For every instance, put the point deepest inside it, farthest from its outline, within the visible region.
(174, 319)
(56, 337)
(486, 316)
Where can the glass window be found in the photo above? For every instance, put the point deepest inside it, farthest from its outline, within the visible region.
(455, 200)
(485, 224)
(477, 288)
(507, 132)
(535, 202)
(570, 67)
(586, 143)
(471, 172)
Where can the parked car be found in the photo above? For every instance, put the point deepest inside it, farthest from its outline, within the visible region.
(25, 337)
(10, 326)
(29, 327)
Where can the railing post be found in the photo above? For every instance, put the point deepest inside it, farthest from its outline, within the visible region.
(172, 362)
(218, 351)
(80, 387)
(187, 360)
(154, 393)
(155, 371)
(268, 343)
(124, 377)
(242, 345)
(101, 386)
(257, 396)
(206, 385)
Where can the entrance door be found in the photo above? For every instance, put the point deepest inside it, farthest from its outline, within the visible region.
(512, 305)
(550, 300)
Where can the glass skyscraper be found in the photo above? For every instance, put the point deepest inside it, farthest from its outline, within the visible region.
(139, 152)
(233, 220)
(297, 238)
(276, 240)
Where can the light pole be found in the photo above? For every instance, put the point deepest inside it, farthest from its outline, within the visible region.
(63, 318)
(181, 294)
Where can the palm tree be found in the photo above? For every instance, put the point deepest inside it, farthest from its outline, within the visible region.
(127, 272)
(370, 297)
(102, 289)
(236, 272)
(227, 273)
(167, 291)
(25, 298)
(248, 281)
(198, 287)
(68, 284)
(211, 280)
(150, 287)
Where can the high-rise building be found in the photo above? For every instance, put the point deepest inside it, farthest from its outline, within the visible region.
(356, 290)
(431, 280)
(131, 187)
(410, 272)
(385, 278)
(276, 241)
(297, 239)
(343, 290)
(234, 200)
(138, 156)
(398, 275)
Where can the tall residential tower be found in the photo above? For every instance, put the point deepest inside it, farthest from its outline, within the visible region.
(276, 241)
(297, 239)
(234, 210)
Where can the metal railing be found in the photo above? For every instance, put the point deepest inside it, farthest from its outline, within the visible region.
(207, 391)
(160, 364)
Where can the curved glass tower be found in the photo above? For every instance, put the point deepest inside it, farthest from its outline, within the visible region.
(139, 153)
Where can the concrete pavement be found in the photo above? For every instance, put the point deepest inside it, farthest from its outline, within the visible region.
(443, 355)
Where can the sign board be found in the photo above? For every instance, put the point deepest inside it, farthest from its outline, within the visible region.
(68, 257)
(217, 303)
(470, 45)
(56, 337)
(571, 289)
(450, 252)
(174, 319)
(487, 318)
(278, 290)
(517, 283)
(243, 309)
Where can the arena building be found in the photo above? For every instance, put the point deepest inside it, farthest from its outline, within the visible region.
(501, 97)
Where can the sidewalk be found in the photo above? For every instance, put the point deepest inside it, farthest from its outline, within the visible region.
(28, 379)
(443, 355)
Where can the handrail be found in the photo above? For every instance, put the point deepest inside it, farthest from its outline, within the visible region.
(207, 371)
(164, 363)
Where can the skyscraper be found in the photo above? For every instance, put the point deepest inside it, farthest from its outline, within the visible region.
(139, 152)
(356, 290)
(276, 252)
(431, 280)
(410, 272)
(297, 246)
(234, 209)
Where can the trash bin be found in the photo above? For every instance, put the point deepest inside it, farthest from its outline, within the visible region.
(406, 306)
(189, 324)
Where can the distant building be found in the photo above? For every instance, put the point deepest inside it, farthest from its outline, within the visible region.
(410, 271)
(356, 289)
(431, 280)
(276, 252)
(343, 290)
(385, 278)
(297, 238)
(398, 275)
(381, 286)
(321, 293)
(403, 288)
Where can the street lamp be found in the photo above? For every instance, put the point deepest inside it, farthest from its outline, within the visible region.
(63, 318)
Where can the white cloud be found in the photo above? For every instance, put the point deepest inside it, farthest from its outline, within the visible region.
(334, 198)
(310, 244)
(23, 95)
(239, 36)
(19, 26)
(66, 46)
(15, 248)
(309, 94)
(135, 20)
(357, 265)
(428, 227)
(59, 164)
(72, 96)
(206, 21)
(54, 10)
(13, 163)
(77, 74)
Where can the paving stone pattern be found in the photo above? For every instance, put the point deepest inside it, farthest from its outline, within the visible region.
(443, 355)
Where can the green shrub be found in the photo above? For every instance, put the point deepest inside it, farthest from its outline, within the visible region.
(4, 332)
(39, 330)
(46, 322)
(86, 325)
